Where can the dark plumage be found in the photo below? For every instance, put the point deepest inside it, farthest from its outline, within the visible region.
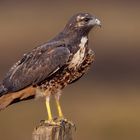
(47, 69)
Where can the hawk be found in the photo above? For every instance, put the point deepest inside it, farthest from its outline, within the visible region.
(47, 69)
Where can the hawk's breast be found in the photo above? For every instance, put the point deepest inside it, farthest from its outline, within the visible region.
(78, 57)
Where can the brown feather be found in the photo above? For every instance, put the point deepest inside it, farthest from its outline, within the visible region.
(11, 98)
(35, 68)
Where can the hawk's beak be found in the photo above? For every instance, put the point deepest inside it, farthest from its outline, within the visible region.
(95, 21)
(98, 22)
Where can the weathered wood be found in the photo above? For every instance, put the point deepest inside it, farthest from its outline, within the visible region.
(58, 130)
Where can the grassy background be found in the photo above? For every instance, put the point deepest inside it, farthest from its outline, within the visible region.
(104, 104)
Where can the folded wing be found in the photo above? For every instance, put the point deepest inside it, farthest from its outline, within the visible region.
(35, 67)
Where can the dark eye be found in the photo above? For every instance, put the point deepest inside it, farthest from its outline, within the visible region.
(86, 19)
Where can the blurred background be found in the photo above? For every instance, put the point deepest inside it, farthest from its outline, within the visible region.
(104, 104)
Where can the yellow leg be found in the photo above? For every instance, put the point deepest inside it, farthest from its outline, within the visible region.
(48, 109)
(59, 107)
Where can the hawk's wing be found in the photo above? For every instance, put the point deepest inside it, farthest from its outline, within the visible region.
(36, 67)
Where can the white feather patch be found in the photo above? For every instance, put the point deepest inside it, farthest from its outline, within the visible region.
(79, 56)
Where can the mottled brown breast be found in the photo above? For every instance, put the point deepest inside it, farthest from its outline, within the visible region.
(67, 76)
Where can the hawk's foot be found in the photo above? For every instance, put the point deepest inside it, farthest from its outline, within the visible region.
(51, 123)
(60, 122)
(63, 121)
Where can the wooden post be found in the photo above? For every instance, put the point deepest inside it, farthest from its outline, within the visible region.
(58, 130)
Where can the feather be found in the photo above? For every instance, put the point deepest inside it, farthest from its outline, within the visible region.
(35, 67)
(15, 97)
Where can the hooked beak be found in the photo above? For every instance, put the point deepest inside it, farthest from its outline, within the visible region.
(94, 21)
(98, 22)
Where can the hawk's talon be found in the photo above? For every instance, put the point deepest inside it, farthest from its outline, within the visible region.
(64, 120)
(60, 122)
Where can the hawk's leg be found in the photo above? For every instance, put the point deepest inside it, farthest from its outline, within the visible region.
(48, 109)
(57, 99)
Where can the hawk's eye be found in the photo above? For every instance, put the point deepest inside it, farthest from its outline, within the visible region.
(86, 19)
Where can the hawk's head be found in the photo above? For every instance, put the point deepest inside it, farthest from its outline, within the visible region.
(82, 22)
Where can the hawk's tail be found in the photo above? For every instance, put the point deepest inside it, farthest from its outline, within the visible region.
(3, 93)
(8, 98)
